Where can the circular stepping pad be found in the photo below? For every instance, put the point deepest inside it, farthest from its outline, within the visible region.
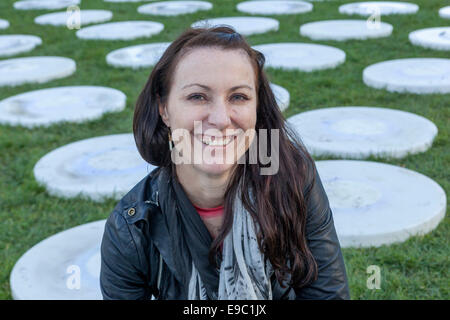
(174, 8)
(374, 204)
(139, 56)
(94, 168)
(14, 72)
(11, 44)
(55, 267)
(342, 30)
(86, 17)
(267, 7)
(282, 96)
(301, 56)
(124, 30)
(44, 4)
(445, 12)
(48, 106)
(4, 24)
(415, 75)
(243, 25)
(383, 8)
(360, 132)
(432, 38)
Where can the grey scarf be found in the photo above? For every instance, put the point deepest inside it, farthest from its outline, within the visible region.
(243, 273)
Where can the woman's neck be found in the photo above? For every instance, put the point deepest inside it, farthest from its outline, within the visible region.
(205, 191)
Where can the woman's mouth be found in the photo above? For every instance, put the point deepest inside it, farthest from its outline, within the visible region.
(216, 141)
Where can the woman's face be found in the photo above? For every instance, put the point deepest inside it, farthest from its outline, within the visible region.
(211, 108)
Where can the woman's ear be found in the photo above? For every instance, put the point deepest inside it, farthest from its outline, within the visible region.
(163, 112)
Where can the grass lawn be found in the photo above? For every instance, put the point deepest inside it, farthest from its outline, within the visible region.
(415, 269)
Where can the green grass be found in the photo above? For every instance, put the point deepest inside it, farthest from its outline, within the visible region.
(415, 269)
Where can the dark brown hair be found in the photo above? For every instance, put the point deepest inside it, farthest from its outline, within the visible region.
(279, 203)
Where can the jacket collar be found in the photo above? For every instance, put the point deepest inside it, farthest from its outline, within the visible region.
(144, 202)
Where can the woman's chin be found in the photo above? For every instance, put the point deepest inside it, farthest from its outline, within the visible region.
(215, 169)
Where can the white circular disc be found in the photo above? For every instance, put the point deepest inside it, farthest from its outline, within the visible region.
(124, 30)
(432, 38)
(342, 30)
(281, 96)
(301, 56)
(174, 8)
(48, 106)
(382, 8)
(243, 25)
(139, 56)
(51, 268)
(375, 203)
(19, 71)
(4, 24)
(359, 132)
(445, 12)
(11, 44)
(94, 168)
(44, 4)
(86, 17)
(267, 7)
(415, 75)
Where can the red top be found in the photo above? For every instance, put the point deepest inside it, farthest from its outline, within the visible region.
(210, 213)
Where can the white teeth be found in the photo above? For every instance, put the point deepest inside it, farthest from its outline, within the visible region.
(217, 141)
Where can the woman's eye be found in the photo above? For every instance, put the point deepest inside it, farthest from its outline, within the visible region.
(239, 97)
(196, 97)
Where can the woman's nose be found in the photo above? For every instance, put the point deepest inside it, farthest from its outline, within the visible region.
(219, 115)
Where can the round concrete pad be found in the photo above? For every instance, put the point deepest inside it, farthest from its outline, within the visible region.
(14, 72)
(4, 24)
(281, 96)
(445, 12)
(44, 4)
(268, 7)
(139, 56)
(243, 25)
(432, 38)
(342, 30)
(123, 30)
(301, 56)
(375, 203)
(94, 168)
(86, 17)
(415, 75)
(383, 8)
(11, 44)
(55, 267)
(48, 106)
(360, 132)
(174, 8)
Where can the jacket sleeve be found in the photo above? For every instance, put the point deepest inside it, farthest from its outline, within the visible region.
(120, 275)
(331, 282)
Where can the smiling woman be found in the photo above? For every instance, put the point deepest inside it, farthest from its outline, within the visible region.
(271, 235)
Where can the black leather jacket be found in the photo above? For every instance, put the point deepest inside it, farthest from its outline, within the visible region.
(136, 236)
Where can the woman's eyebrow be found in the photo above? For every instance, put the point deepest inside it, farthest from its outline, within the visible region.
(209, 89)
(197, 84)
(241, 86)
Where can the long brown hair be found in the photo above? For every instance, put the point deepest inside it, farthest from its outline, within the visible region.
(278, 203)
